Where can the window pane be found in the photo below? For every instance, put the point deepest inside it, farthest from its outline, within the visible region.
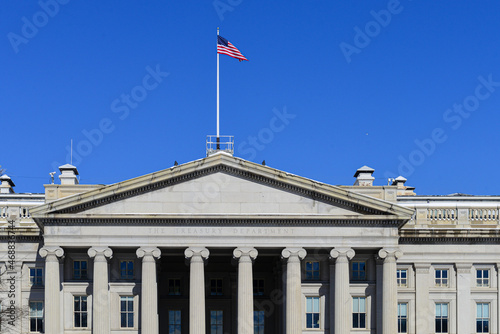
(362, 323)
(355, 305)
(355, 320)
(123, 319)
(362, 305)
(486, 311)
(84, 319)
(316, 305)
(403, 326)
(77, 304)
(308, 304)
(77, 320)
(316, 320)
(130, 320)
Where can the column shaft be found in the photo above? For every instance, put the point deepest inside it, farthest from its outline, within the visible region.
(293, 289)
(343, 305)
(149, 289)
(100, 295)
(52, 303)
(245, 289)
(196, 289)
(389, 290)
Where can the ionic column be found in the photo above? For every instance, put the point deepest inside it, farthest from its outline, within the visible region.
(293, 289)
(100, 295)
(389, 290)
(464, 323)
(52, 288)
(245, 257)
(149, 289)
(343, 308)
(423, 315)
(197, 255)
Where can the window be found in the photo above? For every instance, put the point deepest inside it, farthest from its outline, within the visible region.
(36, 317)
(441, 318)
(441, 277)
(258, 322)
(127, 269)
(174, 322)
(483, 318)
(127, 311)
(482, 278)
(358, 271)
(312, 270)
(216, 287)
(402, 317)
(174, 287)
(258, 287)
(80, 269)
(402, 278)
(358, 312)
(216, 323)
(80, 311)
(36, 275)
(312, 312)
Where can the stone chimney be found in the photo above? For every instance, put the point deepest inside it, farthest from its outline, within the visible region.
(6, 185)
(364, 177)
(399, 182)
(68, 174)
(403, 190)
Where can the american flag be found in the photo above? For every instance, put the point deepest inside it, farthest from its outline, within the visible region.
(226, 48)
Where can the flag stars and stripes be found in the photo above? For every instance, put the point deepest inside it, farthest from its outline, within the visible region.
(226, 48)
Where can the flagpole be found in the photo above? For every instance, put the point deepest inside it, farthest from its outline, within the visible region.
(218, 140)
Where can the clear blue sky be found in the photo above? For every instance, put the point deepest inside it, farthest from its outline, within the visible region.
(408, 87)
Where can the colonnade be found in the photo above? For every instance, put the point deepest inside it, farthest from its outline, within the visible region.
(196, 257)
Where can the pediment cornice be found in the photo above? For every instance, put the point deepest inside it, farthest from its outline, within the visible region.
(223, 163)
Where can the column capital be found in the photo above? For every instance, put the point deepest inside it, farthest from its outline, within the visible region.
(144, 252)
(390, 254)
(51, 252)
(463, 268)
(245, 253)
(192, 252)
(100, 253)
(342, 254)
(291, 253)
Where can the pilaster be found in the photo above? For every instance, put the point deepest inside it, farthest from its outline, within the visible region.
(464, 320)
(423, 315)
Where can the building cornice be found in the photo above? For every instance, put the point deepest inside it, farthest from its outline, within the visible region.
(191, 221)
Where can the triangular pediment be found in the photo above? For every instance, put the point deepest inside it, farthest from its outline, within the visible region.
(222, 186)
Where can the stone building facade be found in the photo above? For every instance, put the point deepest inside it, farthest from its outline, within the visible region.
(223, 245)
